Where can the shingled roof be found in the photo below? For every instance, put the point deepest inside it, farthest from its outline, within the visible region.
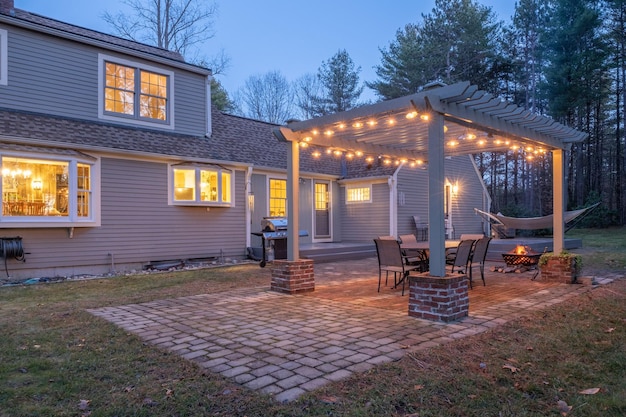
(60, 29)
(234, 139)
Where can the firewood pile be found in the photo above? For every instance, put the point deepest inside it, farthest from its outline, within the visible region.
(518, 269)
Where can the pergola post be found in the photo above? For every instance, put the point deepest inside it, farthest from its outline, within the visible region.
(558, 200)
(293, 275)
(293, 185)
(436, 187)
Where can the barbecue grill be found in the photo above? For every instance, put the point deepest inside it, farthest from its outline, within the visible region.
(274, 238)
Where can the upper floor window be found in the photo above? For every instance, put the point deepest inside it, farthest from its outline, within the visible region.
(278, 197)
(137, 92)
(38, 189)
(361, 194)
(4, 53)
(201, 185)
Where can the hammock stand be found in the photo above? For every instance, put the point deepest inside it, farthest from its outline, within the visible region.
(533, 223)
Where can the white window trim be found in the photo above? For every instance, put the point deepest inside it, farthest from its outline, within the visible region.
(169, 124)
(267, 187)
(72, 219)
(197, 201)
(353, 186)
(4, 56)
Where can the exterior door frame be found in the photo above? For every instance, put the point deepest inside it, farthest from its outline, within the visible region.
(315, 237)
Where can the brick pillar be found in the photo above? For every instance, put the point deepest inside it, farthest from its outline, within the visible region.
(438, 298)
(292, 277)
(561, 270)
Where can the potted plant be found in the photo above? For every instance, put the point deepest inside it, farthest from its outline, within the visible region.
(562, 267)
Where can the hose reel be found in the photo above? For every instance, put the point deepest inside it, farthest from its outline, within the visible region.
(11, 247)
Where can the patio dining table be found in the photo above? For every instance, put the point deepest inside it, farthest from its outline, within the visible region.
(424, 244)
(422, 249)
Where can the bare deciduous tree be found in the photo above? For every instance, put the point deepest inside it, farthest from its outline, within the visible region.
(306, 88)
(266, 97)
(174, 25)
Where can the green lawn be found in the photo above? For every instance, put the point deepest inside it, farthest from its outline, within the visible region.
(58, 360)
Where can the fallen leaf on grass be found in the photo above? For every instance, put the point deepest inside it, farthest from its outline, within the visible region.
(610, 330)
(512, 368)
(564, 409)
(589, 391)
(83, 404)
(149, 401)
(418, 387)
(169, 393)
(327, 399)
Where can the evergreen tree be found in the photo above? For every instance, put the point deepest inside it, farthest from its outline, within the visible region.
(339, 79)
(576, 86)
(219, 97)
(455, 42)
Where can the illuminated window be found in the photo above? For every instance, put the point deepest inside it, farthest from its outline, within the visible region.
(358, 194)
(201, 185)
(135, 92)
(3, 57)
(41, 189)
(278, 197)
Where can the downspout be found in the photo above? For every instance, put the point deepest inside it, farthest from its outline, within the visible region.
(249, 208)
(393, 202)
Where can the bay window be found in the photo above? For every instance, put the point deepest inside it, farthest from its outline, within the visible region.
(201, 185)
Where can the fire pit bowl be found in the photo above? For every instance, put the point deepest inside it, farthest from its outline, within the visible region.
(521, 255)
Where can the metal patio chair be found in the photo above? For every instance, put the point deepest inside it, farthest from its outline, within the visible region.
(390, 259)
(462, 256)
(478, 257)
(413, 255)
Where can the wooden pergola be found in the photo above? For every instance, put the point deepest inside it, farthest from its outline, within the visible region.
(425, 128)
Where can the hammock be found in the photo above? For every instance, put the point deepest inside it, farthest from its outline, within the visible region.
(532, 223)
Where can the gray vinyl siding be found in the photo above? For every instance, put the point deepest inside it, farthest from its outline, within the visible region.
(362, 222)
(305, 204)
(412, 198)
(414, 185)
(137, 227)
(38, 82)
(470, 195)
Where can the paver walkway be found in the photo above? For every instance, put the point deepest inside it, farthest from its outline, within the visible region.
(286, 345)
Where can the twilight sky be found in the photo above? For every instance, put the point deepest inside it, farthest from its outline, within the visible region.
(291, 36)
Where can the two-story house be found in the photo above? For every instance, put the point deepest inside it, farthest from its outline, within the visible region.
(112, 158)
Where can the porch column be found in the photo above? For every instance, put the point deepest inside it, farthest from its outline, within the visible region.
(293, 191)
(558, 200)
(436, 186)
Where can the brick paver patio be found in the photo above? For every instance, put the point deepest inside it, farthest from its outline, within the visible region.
(286, 345)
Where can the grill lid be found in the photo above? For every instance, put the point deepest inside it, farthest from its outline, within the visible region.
(272, 224)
